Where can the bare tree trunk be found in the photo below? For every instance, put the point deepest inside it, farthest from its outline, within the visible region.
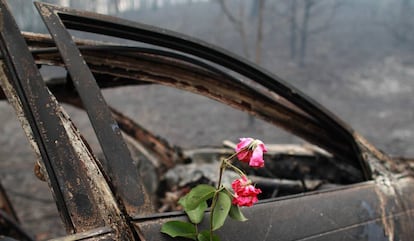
(304, 32)
(254, 9)
(259, 43)
(238, 24)
(115, 3)
(404, 20)
(293, 28)
(259, 38)
(243, 30)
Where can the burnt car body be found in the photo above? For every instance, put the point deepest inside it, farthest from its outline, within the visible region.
(106, 199)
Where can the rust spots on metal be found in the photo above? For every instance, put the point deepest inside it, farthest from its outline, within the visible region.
(12, 97)
(45, 11)
(385, 192)
(125, 183)
(39, 172)
(82, 193)
(380, 163)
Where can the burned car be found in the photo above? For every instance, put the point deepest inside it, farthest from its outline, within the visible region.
(339, 188)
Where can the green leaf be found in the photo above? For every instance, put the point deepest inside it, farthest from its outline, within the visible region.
(179, 229)
(221, 210)
(197, 214)
(196, 196)
(205, 236)
(236, 214)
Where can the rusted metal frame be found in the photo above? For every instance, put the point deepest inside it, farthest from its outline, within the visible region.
(49, 56)
(10, 38)
(81, 192)
(125, 180)
(131, 67)
(226, 90)
(108, 59)
(113, 62)
(157, 56)
(42, 44)
(113, 59)
(98, 190)
(151, 68)
(101, 24)
(41, 41)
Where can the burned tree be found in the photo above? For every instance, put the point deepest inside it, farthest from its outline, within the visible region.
(402, 22)
(307, 18)
(240, 24)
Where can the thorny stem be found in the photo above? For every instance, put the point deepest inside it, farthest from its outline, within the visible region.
(213, 204)
(222, 167)
(224, 163)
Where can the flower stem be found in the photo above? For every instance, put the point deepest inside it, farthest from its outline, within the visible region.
(224, 163)
(222, 167)
(213, 205)
(228, 159)
(236, 169)
(218, 189)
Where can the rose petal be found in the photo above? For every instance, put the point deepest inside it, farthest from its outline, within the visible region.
(244, 156)
(244, 142)
(256, 159)
(262, 146)
(246, 201)
(240, 184)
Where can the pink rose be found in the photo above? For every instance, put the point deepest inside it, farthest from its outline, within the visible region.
(239, 185)
(244, 201)
(251, 151)
(245, 194)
